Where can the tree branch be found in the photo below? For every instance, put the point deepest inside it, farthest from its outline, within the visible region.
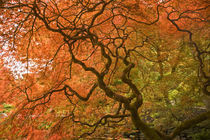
(189, 123)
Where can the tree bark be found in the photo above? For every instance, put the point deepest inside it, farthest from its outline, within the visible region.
(139, 124)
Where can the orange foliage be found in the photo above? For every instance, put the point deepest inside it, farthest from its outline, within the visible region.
(80, 52)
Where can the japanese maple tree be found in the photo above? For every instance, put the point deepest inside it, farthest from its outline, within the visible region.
(93, 64)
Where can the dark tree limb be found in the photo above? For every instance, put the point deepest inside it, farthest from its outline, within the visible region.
(189, 123)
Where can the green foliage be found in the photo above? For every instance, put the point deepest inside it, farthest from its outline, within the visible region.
(45, 125)
(6, 108)
(202, 135)
(172, 95)
(117, 82)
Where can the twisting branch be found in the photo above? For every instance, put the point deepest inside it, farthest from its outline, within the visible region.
(104, 120)
(137, 94)
(205, 116)
(199, 52)
(78, 95)
(99, 76)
